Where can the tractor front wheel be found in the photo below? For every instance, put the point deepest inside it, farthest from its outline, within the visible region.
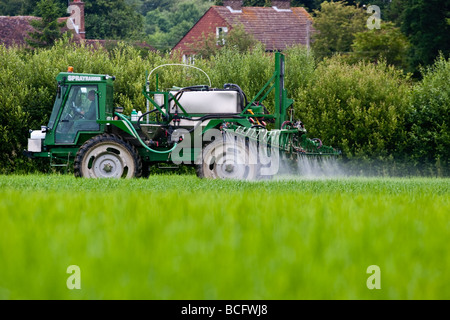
(107, 156)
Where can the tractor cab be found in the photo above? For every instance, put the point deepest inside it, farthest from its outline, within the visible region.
(78, 113)
(81, 101)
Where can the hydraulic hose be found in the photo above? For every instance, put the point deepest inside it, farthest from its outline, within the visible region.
(143, 115)
(136, 135)
(241, 93)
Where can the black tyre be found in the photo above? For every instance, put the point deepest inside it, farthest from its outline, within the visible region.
(231, 159)
(107, 156)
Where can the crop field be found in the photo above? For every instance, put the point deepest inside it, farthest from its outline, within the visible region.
(180, 237)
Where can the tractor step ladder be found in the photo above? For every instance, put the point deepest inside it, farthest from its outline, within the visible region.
(54, 164)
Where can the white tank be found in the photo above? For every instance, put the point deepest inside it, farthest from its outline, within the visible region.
(205, 102)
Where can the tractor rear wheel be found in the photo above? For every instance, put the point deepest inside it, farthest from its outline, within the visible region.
(107, 156)
(232, 159)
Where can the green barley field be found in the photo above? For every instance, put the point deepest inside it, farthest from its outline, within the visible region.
(180, 237)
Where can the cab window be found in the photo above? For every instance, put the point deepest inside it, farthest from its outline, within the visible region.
(80, 113)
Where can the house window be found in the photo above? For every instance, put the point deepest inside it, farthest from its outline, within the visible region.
(221, 33)
(188, 58)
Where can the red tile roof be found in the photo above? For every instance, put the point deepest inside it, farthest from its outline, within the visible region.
(276, 29)
(14, 30)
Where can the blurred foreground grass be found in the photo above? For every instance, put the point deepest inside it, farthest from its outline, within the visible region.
(179, 237)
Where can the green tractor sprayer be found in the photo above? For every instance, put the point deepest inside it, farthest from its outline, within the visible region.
(219, 131)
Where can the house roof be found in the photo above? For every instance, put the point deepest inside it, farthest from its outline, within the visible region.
(14, 30)
(276, 29)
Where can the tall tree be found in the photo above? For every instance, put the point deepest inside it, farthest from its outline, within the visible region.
(395, 10)
(310, 5)
(165, 27)
(112, 19)
(428, 122)
(149, 5)
(13, 7)
(47, 29)
(336, 25)
(24, 7)
(425, 23)
(387, 43)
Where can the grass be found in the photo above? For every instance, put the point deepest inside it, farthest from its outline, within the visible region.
(179, 237)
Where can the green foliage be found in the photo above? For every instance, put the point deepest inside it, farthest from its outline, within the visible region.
(106, 19)
(428, 122)
(310, 5)
(394, 11)
(236, 39)
(382, 4)
(144, 6)
(357, 108)
(13, 7)
(165, 26)
(301, 66)
(387, 43)
(249, 70)
(240, 40)
(336, 25)
(12, 117)
(25, 7)
(48, 29)
(425, 23)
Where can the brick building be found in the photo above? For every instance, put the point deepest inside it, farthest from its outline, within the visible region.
(277, 27)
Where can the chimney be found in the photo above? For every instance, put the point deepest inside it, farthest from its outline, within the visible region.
(233, 4)
(281, 4)
(76, 11)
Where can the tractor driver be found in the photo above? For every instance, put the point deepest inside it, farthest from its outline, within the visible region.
(90, 114)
